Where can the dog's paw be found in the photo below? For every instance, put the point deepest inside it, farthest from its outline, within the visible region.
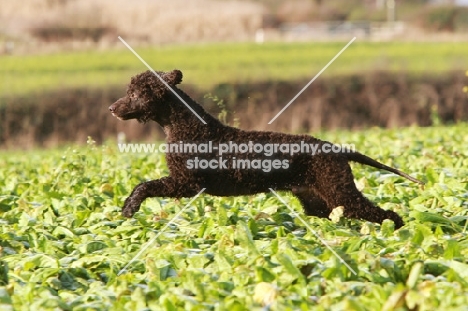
(396, 219)
(130, 207)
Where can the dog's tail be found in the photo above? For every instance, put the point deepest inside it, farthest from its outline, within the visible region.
(363, 159)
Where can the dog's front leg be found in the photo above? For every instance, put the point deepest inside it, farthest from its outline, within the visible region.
(164, 187)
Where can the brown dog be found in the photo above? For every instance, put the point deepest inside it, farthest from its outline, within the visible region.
(320, 180)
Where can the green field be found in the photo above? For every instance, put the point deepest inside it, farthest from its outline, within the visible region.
(63, 240)
(205, 65)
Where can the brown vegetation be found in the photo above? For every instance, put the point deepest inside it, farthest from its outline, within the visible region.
(443, 18)
(48, 25)
(152, 21)
(378, 99)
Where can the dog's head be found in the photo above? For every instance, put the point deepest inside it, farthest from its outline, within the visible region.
(147, 96)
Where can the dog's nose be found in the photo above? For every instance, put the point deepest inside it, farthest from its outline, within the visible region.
(112, 108)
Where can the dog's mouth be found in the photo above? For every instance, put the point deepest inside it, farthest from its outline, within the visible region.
(126, 116)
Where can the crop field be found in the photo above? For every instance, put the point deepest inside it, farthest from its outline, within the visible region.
(205, 65)
(63, 240)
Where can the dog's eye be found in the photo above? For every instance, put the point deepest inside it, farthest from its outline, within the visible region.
(134, 96)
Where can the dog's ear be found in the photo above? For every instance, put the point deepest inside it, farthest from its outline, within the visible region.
(173, 77)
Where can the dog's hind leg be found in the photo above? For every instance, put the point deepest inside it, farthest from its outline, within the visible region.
(335, 184)
(311, 203)
(164, 187)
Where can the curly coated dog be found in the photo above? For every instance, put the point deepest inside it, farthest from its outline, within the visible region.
(228, 161)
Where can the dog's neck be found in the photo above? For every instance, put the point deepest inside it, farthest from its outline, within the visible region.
(182, 118)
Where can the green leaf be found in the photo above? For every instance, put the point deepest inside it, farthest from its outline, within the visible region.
(264, 274)
(420, 233)
(5, 299)
(245, 238)
(387, 228)
(289, 266)
(461, 269)
(430, 218)
(40, 261)
(452, 249)
(3, 273)
(25, 220)
(415, 272)
(95, 246)
(222, 216)
(61, 232)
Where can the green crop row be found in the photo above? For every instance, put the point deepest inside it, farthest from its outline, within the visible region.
(63, 240)
(205, 65)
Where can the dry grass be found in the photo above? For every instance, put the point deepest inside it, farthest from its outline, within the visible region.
(152, 21)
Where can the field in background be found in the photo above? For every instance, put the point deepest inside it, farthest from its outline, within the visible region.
(206, 65)
(63, 239)
(45, 24)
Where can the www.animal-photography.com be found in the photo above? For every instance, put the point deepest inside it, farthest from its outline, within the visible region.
(233, 155)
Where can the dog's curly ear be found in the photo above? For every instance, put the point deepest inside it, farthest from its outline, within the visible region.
(173, 77)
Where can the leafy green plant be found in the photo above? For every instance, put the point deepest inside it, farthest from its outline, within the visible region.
(63, 240)
(223, 114)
